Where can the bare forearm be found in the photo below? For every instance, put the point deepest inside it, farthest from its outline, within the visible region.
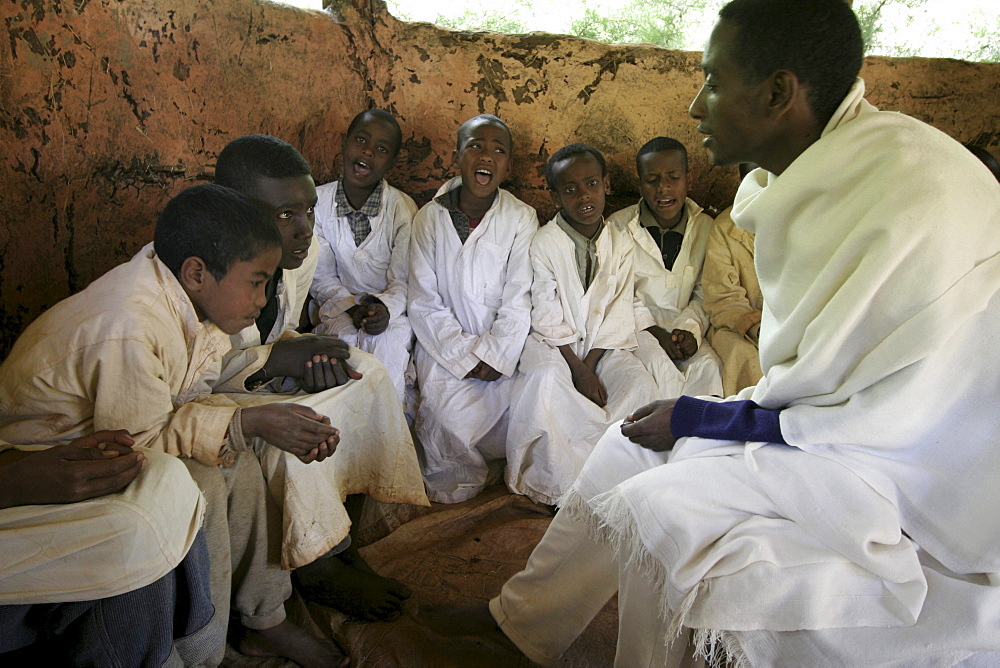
(593, 357)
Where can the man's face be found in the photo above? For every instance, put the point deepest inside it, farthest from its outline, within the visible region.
(484, 158)
(291, 201)
(729, 111)
(234, 301)
(369, 151)
(663, 184)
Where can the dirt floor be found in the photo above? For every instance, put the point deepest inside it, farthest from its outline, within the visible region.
(448, 554)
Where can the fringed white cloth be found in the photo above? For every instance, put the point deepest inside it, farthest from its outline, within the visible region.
(878, 252)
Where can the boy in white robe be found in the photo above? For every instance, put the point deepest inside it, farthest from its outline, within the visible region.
(833, 514)
(579, 372)
(363, 232)
(671, 234)
(139, 349)
(269, 357)
(470, 310)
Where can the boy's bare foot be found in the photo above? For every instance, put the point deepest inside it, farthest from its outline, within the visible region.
(468, 620)
(355, 590)
(293, 642)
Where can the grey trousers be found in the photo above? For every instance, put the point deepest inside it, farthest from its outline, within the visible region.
(243, 528)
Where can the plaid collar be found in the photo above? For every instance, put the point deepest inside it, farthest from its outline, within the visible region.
(369, 208)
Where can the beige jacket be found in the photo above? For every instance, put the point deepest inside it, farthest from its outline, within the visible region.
(733, 302)
(128, 352)
(732, 293)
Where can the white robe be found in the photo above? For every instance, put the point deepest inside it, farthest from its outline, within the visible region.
(675, 297)
(865, 540)
(467, 302)
(101, 547)
(553, 427)
(375, 455)
(379, 267)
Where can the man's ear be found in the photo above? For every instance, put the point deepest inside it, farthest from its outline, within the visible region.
(783, 92)
(193, 274)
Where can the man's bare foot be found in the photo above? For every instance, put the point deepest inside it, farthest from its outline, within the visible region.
(468, 620)
(355, 590)
(293, 642)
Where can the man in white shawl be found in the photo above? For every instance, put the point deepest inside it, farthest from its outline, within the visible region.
(270, 361)
(838, 513)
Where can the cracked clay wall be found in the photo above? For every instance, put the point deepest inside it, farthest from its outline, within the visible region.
(109, 107)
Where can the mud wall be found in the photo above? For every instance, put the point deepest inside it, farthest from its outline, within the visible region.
(109, 107)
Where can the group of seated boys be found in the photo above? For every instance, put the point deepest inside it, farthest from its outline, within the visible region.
(495, 338)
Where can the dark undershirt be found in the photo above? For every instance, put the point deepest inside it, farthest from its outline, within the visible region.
(269, 314)
(725, 420)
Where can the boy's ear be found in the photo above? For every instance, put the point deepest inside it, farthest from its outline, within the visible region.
(555, 199)
(607, 184)
(454, 158)
(193, 274)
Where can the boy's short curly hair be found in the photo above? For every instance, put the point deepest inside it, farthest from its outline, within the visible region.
(217, 224)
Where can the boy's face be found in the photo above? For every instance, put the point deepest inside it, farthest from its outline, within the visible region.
(663, 184)
(369, 151)
(580, 187)
(483, 158)
(234, 301)
(292, 201)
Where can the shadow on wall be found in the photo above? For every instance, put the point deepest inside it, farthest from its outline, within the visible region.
(109, 107)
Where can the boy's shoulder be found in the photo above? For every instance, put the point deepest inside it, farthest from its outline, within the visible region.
(394, 198)
(696, 214)
(625, 218)
(129, 302)
(512, 201)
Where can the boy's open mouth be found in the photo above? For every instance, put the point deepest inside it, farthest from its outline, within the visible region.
(586, 210)
(666, 202)
(483, 176)
(361, 168)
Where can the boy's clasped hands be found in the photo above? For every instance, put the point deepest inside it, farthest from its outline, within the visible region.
(320, 363)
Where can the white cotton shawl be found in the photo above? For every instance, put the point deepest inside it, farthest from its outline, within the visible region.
(877, 252)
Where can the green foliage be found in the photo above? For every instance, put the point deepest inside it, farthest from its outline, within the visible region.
(660, 22)
(875, 30)
(477, 21)
(988, 38)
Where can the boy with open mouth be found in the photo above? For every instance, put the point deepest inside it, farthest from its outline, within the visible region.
(363, 233)
(671, 234)
(469, 308)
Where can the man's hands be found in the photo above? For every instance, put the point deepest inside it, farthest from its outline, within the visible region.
(91, 466)
(679, 344)
(320, 362)
(371, 318)
(650, 426)
(296, 429)
(484, 371)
